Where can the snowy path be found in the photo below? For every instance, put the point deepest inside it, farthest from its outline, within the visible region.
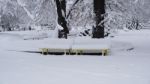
(122, 67)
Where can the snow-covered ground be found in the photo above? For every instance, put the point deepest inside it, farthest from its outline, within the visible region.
(128, 63)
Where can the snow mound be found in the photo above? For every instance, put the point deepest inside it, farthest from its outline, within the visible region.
(35, 36)
(121, 46)
(8, 36)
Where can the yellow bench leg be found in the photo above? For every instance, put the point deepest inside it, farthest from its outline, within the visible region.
(45, 51)
(104, 52)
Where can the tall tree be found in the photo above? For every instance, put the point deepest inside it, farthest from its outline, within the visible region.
(99, 10)
(61, 10)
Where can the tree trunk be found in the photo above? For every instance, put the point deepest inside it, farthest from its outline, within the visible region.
(99, 10)
(61, 11)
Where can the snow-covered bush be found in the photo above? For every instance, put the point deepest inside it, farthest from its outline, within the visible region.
(120, 14)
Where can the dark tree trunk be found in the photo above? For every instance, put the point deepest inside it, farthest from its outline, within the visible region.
(61, 9)
(63, 6)
(99, 10)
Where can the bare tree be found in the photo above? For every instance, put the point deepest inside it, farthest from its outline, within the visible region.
(61, 11)
(99, 10)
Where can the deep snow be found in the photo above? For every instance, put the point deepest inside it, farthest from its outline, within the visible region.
(122, 66)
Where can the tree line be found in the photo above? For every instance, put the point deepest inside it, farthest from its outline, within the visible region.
(109, 15)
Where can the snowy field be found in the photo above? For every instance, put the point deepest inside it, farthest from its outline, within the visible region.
(128, 62)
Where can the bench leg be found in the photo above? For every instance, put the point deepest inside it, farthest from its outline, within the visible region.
(104, 52)
(65, 53)
(76, 52)
(45, 51)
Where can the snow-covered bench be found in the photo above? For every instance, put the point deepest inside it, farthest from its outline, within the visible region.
(92, 49)
(56, 46)
(91, 46)
(77, 47)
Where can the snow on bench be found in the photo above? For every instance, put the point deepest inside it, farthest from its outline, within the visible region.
(56, 46)
(91, 46)
(77, 46)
